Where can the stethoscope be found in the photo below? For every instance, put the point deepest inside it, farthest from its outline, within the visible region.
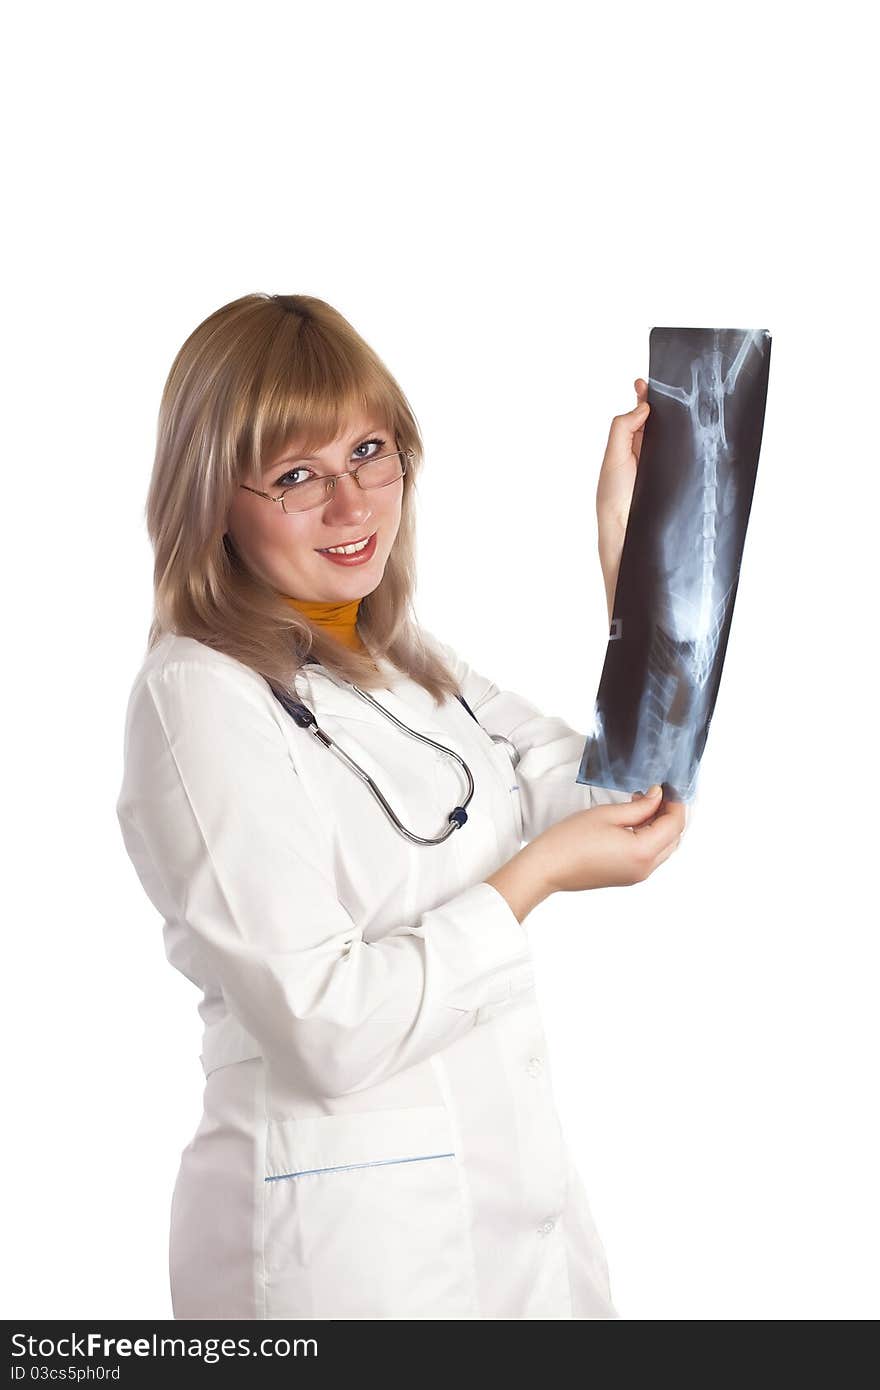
(457, 816)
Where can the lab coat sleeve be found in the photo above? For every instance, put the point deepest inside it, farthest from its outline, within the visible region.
(550, 750)
(225, 840)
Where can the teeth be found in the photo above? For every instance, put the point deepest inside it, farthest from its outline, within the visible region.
(347, 549)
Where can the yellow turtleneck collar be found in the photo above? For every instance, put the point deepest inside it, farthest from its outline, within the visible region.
(338, 620)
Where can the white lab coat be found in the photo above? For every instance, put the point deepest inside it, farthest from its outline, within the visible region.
(379, 1138)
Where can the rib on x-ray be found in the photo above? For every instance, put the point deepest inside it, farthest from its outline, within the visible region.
(679, 569)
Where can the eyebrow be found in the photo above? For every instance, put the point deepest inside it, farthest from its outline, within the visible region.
(304, 458)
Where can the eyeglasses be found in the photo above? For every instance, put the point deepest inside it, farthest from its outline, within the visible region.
(314, 492)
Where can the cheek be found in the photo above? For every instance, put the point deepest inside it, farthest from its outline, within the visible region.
(394, 506)
(296, 533)
(269, 533)
(263, 532)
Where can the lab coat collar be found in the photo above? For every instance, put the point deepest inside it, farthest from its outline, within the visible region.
(326, 693)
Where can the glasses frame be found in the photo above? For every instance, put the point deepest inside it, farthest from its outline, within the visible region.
(330, 480)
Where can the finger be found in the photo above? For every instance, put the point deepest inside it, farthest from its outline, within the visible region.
(666, 828)
(665, 853)
(637, 810)
(677, 809)
(625, 438)
(631, 420)
(659, 832)
(640, 414)
(637, 441)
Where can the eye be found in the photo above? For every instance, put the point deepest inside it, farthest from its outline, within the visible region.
(379, 442)
(287, 479)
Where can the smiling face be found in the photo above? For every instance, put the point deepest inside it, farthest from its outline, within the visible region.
(285, 548)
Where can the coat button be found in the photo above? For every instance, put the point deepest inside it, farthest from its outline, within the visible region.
(535, 1066)
(546, 1227)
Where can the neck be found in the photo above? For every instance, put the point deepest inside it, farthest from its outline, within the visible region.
(337, 619)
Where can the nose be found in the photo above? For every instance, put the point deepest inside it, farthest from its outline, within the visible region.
(347, 504)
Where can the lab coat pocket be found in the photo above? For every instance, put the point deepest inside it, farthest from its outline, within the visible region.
(366, 1217)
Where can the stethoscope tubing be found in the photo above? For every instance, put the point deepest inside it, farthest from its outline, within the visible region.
(304, 717)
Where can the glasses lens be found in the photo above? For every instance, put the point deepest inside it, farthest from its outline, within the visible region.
(381, 471)
(302, 496)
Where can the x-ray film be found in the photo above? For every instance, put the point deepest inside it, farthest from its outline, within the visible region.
(679, 569)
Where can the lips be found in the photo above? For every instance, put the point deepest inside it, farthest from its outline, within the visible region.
(356, 540)
(359, 557)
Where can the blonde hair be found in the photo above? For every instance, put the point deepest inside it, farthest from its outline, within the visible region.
(254, 374)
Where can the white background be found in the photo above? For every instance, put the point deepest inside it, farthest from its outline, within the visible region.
(503, 199)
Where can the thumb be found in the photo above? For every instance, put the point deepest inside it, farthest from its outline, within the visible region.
(623, 427)
(642, 806)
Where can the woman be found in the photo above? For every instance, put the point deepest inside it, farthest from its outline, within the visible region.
(379, 1137)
